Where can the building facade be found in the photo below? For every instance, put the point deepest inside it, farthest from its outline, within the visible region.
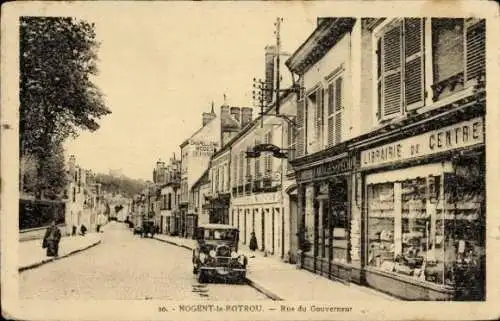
(170, 196)
(84, 200)
(390, 154)
(197, 152)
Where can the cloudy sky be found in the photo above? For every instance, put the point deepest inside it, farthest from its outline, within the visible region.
(161, 66)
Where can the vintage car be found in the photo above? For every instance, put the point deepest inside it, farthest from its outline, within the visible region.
(148, 228)
(216, 254)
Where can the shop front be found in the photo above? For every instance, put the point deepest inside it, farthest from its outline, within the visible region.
(264, 215)
(424, 214)
(324, 214)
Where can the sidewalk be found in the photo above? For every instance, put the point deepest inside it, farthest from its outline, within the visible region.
(32, 255)
(283, 281)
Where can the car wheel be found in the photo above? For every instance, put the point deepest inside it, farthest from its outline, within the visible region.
(201, 277)
(243, 278)
(195, 269)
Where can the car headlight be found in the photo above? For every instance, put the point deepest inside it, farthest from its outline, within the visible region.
(211, 253)
(234, 255)
(203, 257)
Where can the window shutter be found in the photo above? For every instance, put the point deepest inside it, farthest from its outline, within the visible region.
(249, 169)
(267, 156)
(391, 73)
(242, 164)
(318, 115)
(414, 62)
(235, 170)
(300, 128)
(475, 52)
(257, 162)
(330, 125)
(339, 108)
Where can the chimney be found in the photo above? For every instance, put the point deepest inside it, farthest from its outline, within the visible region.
(246, 116)
(235, 112)
(269, 73)
(224, 111)
(206, 117)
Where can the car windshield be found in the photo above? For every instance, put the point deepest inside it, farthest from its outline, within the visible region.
(224, 235)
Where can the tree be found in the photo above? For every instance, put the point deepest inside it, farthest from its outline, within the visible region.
(57, 96)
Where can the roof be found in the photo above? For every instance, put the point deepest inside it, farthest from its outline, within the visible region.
(249, 126)
(203, 176)
(328, 32)
(218, 226)
(184, 143)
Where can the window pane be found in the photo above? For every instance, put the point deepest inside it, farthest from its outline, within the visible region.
(417, 247)
(381, 226)
(448, 47)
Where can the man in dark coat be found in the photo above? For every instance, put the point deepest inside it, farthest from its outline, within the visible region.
(51, 239)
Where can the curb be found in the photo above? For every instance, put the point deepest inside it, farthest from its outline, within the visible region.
(249, 281)
(35, 265)
(173, 243)
(263, 290)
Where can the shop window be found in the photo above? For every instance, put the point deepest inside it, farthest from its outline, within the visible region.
(430, 228)
(339, 222)
(309, 219)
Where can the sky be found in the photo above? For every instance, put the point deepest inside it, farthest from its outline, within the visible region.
(162, 66)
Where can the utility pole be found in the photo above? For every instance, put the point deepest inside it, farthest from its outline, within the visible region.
(277, 24)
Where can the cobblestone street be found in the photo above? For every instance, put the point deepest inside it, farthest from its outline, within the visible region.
(126, 266)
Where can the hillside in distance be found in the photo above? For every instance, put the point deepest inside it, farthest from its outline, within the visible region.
(127, 187)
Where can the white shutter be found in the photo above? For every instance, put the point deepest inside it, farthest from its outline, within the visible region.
(267, 156)
(300, 144)
(339, 109)
(242, 165)
(392, 72)
(257, 161)
(414, 62)
(330, 124)
(475, 48)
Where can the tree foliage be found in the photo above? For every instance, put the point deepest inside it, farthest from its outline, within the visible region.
(58, 57)
(124, 185)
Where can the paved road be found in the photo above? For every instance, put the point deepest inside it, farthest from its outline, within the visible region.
(128, 267)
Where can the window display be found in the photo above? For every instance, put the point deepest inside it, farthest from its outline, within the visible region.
(430, 228)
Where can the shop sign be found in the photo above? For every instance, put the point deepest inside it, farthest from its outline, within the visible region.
(258, 199)
(463, 134)
(330, 168)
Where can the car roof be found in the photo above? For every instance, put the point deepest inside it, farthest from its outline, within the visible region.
(218, 226)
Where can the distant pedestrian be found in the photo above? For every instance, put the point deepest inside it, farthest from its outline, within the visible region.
(253, 241)
(51, 239)
(83, 230)
(73, 231)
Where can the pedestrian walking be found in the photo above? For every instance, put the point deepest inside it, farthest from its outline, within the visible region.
(73, 231)
(253, 241)
(83, 230)
(51, 239)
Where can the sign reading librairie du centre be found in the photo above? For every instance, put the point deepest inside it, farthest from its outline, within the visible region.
(463, 134)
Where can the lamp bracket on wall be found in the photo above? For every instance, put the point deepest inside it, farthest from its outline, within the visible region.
(270, 148)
